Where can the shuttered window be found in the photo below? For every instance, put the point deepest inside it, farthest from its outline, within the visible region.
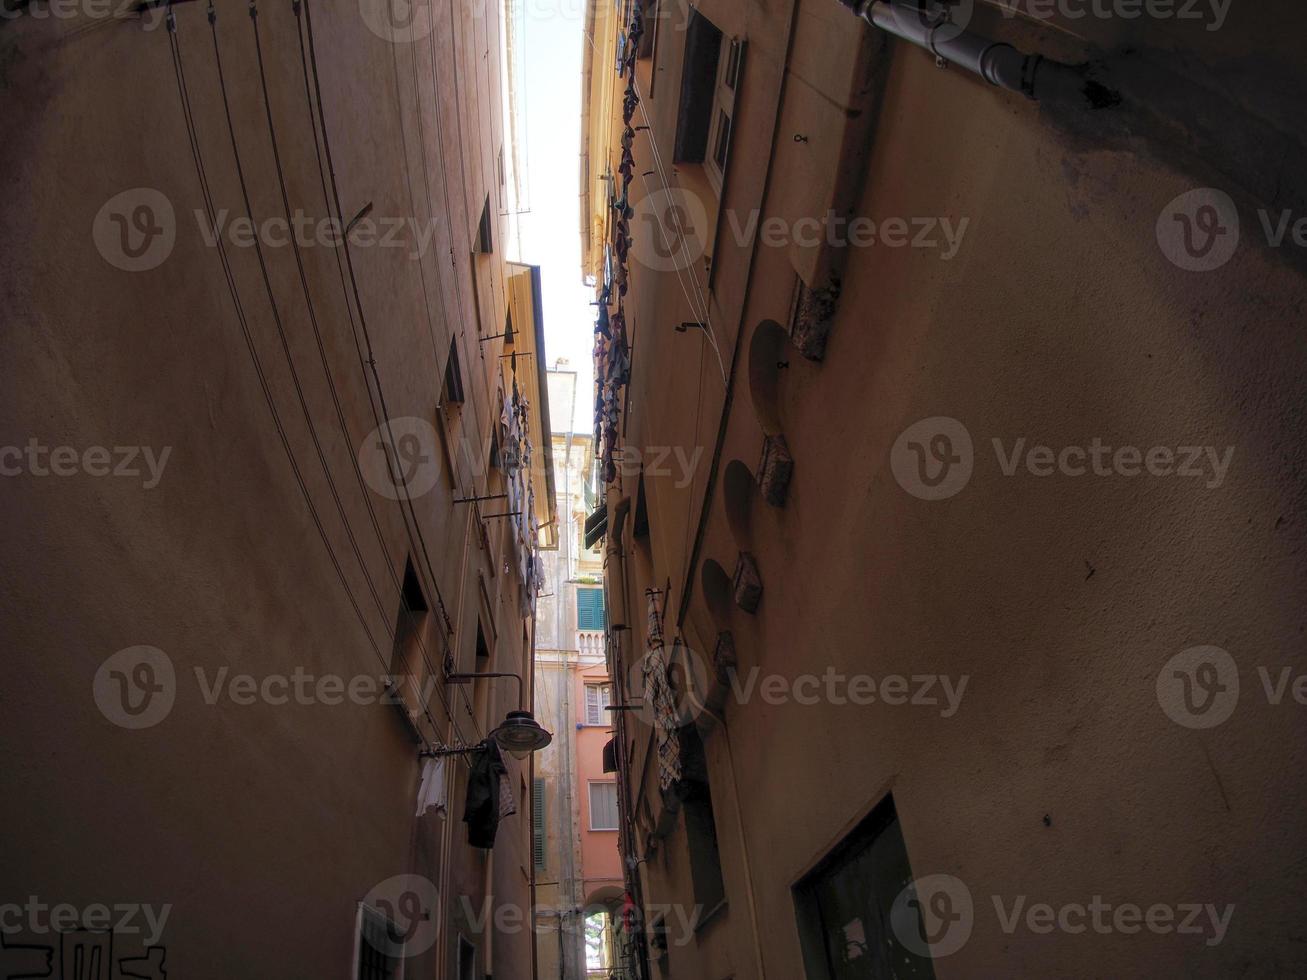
(538, 824)
(597, 697)
(603, 806)
(589, 609)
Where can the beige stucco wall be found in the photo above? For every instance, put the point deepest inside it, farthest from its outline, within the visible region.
(262, 825)
(1059, 319)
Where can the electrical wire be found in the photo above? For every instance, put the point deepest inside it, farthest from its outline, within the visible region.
(326, 369)
(206, 193)
(367, 359)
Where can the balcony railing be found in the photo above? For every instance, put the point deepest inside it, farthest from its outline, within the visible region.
(590, 643)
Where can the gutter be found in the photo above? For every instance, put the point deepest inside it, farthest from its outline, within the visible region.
(929, 27)
(587, 80)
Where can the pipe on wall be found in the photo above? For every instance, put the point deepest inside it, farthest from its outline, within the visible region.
(999, 63)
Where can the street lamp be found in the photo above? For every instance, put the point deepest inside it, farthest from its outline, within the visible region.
(519, 734)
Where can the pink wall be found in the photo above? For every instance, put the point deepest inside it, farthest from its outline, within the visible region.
(601, 864)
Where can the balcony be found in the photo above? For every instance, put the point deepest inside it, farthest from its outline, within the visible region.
(590, 644)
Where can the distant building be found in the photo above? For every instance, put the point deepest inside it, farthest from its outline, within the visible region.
(577, 865)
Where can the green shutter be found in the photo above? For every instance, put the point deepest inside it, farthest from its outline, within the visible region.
(589, 609)
(538, 822)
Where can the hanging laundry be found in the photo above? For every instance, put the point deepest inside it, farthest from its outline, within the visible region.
(659, 692)
(481, 809)
(431, 790)
(507, 805)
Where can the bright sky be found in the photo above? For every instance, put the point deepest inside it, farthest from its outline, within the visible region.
(551, 37)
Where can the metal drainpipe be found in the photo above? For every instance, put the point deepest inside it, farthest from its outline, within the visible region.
(998, 62)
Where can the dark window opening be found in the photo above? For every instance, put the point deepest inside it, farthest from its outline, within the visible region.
(408, 622)
(485, 239)
(640, 525)
(467, 960)
(845, 905)
(649, 10)
(723, 139)
(703, 43)
(697, 807)
(380, 946)
(453, 391)
(732, 72)
(701, 835)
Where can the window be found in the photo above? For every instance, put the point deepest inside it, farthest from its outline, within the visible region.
(845, 904)
(453, 390)
(700, 825)
(603, 806)
(699, 75)
(597, 698)
(723, 111)
(406, 653)
(379, 947)
(589, 609)
(467, 960)
(485, 237)
(650, 12)
(538, 834)
(701, 836)
(640, 522)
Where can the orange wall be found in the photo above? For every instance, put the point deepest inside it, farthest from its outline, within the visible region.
(601, 864)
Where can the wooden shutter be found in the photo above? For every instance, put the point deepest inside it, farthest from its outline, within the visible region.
(589, 609)
(538, 824)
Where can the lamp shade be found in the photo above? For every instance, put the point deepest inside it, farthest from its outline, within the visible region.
(520, 735)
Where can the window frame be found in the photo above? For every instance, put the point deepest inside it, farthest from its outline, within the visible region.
(361, 912)
(604, 700)
(590, 799)
(603, 609)
(539, 827)
(730, 59)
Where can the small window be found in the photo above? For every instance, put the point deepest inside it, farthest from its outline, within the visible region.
(589, 609)
(485, 236)
(649, 9)
(732, 72)
(603, 806)
(538, 835)
(453, 390)
(597, 698)
(722, 137)
(723, 110)
(406, 652)
(700, 72)
(467, 960)
(846, 906)
(640, 523)
(380, 946)
(700, 826)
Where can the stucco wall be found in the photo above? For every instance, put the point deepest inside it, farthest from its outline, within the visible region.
(1060, 599)
(261, 825)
